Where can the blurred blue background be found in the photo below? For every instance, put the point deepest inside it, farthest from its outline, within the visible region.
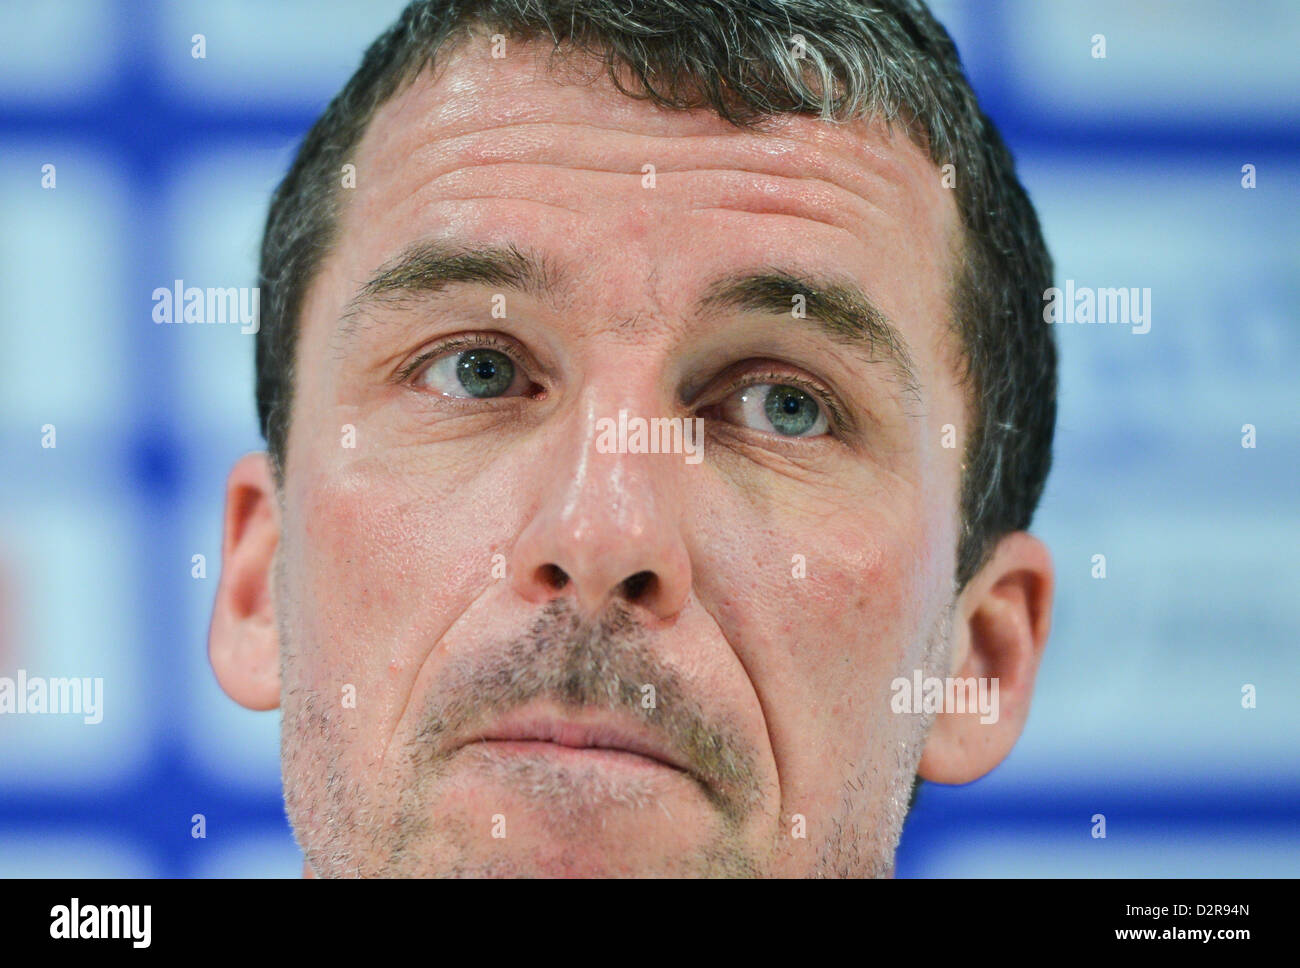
(164, 167)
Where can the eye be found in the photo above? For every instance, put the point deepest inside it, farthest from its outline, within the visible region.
(479, 372)
(776, 407)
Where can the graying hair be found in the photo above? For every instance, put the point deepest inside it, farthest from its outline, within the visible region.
(886, 58)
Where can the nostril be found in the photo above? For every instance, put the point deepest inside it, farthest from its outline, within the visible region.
(553, 576)
(638, 584)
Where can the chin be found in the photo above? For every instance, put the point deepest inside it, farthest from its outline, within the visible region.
(579, 822)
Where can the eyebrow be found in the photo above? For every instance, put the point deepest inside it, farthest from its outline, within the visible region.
(429, 267)
(839, 310)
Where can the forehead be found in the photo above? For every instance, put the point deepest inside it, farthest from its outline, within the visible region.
(525, 149)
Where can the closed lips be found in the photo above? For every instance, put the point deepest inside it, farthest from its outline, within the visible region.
(578, 735)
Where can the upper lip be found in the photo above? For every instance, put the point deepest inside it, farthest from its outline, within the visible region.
(581, 730)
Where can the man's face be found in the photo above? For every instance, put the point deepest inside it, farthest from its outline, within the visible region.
(460, 563)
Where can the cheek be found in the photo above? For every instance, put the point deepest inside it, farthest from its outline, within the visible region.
(820, 599)
(378, 568)
(821, 637)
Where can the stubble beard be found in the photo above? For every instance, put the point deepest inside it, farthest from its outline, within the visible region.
(342, 833)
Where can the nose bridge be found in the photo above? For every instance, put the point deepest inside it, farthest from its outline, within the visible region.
(612, 490)
(608, 521)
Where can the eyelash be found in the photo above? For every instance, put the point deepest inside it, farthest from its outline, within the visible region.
(838, 419)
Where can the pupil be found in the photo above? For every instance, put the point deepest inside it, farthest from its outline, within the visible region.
(485, 373)
(791, 410)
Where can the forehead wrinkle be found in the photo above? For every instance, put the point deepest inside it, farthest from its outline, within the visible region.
(873, 187)
(808, 199)
(464, 109)
(460, 98)
(791, 178)
(870, 161)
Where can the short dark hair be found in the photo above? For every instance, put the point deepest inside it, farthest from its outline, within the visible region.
(747, 60)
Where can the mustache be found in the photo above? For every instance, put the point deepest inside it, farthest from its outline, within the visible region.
(604, 664)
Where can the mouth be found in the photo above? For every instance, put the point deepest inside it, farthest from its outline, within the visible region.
(596, 739)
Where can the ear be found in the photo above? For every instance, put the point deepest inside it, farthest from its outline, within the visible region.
(243, 641)
(1003, 618)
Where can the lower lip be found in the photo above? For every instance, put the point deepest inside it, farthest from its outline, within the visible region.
(603, 757)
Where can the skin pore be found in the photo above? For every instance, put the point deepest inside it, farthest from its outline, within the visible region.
(467, 567)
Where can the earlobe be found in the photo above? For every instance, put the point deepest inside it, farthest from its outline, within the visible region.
(1005, 618)
(243, 641)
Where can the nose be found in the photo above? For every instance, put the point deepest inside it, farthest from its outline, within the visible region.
(607, 527)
